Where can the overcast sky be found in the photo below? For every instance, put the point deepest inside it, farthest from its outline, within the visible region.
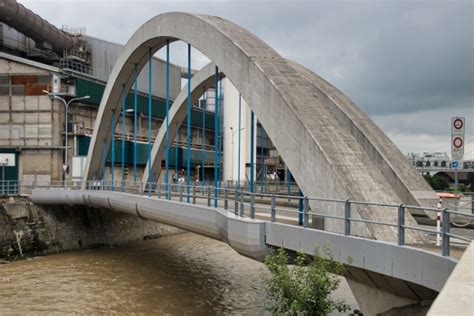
(408, 64)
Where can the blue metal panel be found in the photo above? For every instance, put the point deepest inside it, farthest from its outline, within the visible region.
(238, 148)
(167, 114)
(176, 152)
(149, 116)
(135, 104)
(123, 137)
(112, 167)
(216, 136)
(252, 145)
(203, 140)
(104, 156)
(188, 154)
(300, 209)
(262, 164)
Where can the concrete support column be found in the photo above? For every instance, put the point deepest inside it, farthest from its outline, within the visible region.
(374, 301)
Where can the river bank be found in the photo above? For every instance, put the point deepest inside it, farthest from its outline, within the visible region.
(28, 230)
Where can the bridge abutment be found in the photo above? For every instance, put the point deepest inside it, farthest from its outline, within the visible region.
(374, 301)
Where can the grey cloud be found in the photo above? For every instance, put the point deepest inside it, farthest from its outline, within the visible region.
(396, 59)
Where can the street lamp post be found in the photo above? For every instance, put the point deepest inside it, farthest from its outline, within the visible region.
(53, 96)
(232, 161)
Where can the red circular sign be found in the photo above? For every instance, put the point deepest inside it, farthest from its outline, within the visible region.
(457, 142)
(458, 124)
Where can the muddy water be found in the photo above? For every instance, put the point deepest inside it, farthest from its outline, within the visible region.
(182, 274)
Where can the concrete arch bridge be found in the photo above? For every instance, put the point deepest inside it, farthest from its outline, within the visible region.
(335, 152)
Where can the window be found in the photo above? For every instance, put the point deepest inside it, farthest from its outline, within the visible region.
(4, 80)
(4, 85)
(30, 84)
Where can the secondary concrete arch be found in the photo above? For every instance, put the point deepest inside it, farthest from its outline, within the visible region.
(204, 78)
(324, 156)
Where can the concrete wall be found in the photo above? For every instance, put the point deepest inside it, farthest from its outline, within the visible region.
(457, 293)
(42, 230)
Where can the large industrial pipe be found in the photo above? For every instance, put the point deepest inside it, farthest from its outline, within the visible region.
(33, 26)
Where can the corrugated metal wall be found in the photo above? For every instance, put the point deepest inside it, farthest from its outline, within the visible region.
(105, 54)
(96, 90)
(142, 153)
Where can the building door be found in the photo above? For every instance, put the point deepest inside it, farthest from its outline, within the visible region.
(8, 171)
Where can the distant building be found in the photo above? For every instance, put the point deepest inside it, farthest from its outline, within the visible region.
(426, 160)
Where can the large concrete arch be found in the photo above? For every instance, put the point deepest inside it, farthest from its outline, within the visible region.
(324, 156)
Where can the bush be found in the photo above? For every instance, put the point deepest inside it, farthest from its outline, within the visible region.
(302, 289)
(437, 183)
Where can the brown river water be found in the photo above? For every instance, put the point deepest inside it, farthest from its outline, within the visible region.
(182, 274)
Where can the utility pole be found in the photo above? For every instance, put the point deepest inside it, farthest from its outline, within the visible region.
(56, 96)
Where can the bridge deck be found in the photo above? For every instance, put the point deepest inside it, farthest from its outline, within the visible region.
(403, 270)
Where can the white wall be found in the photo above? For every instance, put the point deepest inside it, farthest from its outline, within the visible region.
(231, 119)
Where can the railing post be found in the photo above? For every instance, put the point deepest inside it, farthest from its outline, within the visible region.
(181, 193)
(226, 202)
(209, 196)
(194, 193)
(305, 212)
(241, 203)
(273, 208)
(446, 232)
(401, 225)
(252, 205)
(347, 218)
(236, 201)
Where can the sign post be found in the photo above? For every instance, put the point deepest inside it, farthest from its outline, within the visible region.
(457, 150)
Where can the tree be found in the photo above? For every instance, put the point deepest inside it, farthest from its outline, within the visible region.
(470, 180)
(302, 289)
(437, 183)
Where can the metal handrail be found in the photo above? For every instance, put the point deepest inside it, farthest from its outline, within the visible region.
(244, 204)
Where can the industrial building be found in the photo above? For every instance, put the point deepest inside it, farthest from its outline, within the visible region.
(37, 58)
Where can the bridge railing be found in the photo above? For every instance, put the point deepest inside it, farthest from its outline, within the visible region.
(9, 188)
(290, 209)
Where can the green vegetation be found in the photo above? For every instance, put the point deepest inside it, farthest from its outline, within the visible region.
(437, 183)
(470, 180)
(303, 289)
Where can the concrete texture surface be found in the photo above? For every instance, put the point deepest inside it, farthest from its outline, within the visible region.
(456, 296)
(318, 143)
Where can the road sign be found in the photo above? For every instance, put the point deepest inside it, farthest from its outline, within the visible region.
(7, 160)
(455, 164)
(64, 168)
(457, 138)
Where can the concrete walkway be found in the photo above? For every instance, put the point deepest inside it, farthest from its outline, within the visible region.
(456, 295)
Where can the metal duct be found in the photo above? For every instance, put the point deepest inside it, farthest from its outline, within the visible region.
(33, 26)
